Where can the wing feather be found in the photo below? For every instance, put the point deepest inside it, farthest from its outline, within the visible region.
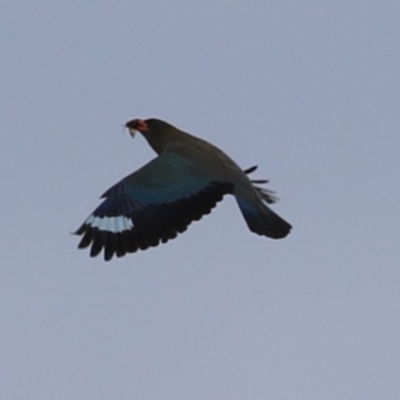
(150, 206)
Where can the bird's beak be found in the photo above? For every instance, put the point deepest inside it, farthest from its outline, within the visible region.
(136, 125)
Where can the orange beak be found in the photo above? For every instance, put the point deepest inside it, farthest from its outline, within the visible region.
(137, 125)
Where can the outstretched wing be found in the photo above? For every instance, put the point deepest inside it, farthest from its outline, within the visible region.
(150, 206)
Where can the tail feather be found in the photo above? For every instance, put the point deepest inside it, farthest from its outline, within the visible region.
(266, 194)
(262, 220)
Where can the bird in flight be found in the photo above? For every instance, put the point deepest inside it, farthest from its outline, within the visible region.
(161, 199)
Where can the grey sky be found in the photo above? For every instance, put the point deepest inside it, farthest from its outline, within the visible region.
(309, 91)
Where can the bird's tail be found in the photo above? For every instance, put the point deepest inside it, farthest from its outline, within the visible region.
(262, 220)
(259, 217)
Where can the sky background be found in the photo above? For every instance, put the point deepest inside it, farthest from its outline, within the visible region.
(309, 91)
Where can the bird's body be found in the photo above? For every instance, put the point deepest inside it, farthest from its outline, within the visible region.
(162, 198)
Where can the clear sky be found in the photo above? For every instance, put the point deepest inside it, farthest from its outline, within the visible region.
(308, 90)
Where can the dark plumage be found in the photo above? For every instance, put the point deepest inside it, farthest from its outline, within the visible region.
(159, 201)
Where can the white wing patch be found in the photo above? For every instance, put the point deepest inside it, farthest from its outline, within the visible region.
(110, 224)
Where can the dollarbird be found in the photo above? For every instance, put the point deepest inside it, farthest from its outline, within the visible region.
(161, 199)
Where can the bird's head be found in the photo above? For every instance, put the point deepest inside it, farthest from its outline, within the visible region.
(147, 126)
(158, 133)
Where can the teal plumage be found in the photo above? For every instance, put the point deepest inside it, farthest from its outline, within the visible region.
(158, 201)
